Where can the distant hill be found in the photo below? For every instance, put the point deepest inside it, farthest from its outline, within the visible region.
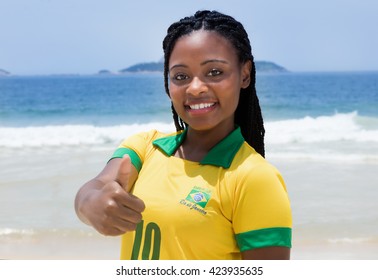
(104, 72)
(261, 66)
(267, 66)
(145, 67)
(4, 73)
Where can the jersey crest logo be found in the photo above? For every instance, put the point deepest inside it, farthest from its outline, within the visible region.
(199, 196)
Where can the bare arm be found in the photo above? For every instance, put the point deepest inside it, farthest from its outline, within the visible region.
(105, 202)
(267, 253)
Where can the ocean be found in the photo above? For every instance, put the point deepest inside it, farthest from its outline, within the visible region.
(56, 132)
(337, 112)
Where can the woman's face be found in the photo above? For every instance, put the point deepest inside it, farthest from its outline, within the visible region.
(205, 78)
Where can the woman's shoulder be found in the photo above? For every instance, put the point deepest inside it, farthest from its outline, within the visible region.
(151, 135)
(248, 158)
(248, 162)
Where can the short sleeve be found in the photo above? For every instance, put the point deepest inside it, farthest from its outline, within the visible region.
(136, 146)
(262, 213)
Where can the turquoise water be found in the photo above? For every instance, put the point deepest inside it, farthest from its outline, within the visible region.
(334, 111)
(110, 100)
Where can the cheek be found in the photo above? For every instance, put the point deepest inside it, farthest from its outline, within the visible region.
(175, 91)
(172, 93)
(232, 103)
(232, 94)
(175, 96)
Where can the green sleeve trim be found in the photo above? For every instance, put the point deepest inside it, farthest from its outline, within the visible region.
(267, 237)
(135, 160)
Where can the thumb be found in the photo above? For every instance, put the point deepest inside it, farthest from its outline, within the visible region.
(124, 172)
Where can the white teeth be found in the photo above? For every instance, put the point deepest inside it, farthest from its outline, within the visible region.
(201, 106)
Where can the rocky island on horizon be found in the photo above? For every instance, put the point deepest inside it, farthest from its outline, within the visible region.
(261, 66)
(4, 72)
(148, 67)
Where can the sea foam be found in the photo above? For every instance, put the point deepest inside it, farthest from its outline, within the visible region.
(339, 127)
(72, 135)
(340, 136)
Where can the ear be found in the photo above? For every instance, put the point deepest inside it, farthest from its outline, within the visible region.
(246, 74)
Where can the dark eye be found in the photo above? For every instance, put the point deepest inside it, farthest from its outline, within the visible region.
(214, 72)
(180, 77)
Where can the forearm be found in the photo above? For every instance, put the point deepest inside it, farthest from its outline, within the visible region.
(83, 198)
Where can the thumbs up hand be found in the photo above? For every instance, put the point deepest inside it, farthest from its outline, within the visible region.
(124, 172)
(106, 203)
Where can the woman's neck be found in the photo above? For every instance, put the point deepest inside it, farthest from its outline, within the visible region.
(198, 143)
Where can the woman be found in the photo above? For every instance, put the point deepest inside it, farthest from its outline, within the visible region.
(205, 191)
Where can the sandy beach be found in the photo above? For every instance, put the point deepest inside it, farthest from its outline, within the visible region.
(333, 203)
(334, 209)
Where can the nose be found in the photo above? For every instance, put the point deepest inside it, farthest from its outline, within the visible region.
(196, 87)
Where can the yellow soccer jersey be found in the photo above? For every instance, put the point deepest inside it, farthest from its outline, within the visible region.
(231, 201)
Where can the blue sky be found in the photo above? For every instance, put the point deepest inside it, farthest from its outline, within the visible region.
(84, 36)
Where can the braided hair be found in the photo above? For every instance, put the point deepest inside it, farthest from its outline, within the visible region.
(248, 113)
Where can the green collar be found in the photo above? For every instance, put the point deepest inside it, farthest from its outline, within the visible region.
(221, 154)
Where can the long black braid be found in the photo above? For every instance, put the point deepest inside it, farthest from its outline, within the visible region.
(248, 113)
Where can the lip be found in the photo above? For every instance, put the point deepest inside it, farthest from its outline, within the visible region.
(200, 107)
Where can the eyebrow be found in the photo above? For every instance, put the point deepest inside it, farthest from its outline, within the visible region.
(203, 63)
(214, 60)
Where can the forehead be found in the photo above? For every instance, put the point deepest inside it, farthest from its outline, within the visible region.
(202, 42)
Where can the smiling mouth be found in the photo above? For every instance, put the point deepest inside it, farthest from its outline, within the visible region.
(201, 106)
